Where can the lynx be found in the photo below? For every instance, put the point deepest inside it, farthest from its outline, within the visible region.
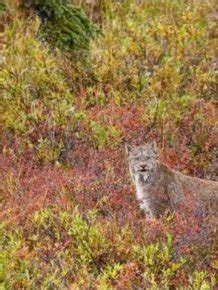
(159, 188)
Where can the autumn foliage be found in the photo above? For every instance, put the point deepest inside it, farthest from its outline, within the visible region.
(68, 214)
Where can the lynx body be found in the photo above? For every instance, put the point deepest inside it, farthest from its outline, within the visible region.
(159, 188)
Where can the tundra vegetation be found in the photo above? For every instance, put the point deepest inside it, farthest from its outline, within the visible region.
(76, 83)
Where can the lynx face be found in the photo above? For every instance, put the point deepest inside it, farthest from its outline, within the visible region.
(142, 161)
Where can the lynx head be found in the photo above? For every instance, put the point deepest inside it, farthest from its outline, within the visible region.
(142, 161)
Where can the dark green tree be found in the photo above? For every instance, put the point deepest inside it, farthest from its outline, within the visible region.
(2, 8)
(62, 24)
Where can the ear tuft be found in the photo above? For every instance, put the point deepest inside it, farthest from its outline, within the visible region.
(128, 149)
(153, 145)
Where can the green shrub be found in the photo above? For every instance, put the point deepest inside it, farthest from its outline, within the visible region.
(34, 92)
(2, 8)
(64, 249)
(63, 25)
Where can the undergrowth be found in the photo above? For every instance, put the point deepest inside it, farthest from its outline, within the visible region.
(69, 219)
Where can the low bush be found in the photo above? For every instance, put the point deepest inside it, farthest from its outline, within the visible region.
(62, 249)
(68, 214)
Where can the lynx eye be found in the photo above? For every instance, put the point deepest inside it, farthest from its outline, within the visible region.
(146, 158)
(138, 159)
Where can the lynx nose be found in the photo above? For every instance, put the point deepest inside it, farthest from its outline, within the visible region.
(143, 166)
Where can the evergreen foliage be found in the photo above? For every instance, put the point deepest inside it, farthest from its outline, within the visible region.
(63, 25)
(2, 8)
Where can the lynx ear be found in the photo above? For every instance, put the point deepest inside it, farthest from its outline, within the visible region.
(128, 149)
(153, 145)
